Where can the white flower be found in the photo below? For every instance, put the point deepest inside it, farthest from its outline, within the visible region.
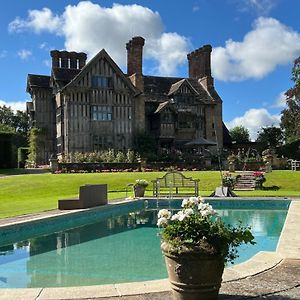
(204, 213)
(180, 216)
(190, 202)
(164, 213)
(200, 199)
(193, 200)
(206, 210)
(161, 222)
(188, 212)
(175, 217)
(184, 203)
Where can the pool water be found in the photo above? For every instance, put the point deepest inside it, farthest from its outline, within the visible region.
(120, 248)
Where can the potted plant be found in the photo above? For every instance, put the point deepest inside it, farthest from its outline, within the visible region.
(140, 187)
(228, 180)
(197, 244)
(259, 179)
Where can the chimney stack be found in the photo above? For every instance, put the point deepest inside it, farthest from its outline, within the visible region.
(135, 55)
(68, 60)
(199, 64)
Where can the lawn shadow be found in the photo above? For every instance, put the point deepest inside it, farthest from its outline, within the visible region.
(271, 188)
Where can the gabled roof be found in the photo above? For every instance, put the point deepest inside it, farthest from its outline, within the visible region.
(102, 54)
(41, 81)
(159, 89)
(203, 94)
(156, 89)
(176, 86)
(162, 106)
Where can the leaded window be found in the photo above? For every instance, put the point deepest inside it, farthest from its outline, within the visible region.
(102, 82)
(101, 113)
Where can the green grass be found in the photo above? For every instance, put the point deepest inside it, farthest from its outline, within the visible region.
(25, 194)
(8, 172)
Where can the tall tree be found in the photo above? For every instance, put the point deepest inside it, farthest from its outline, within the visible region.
(6, 116)
(9, 120)
(270, 137)
(21, 122)
(290, 116)
(240, 134)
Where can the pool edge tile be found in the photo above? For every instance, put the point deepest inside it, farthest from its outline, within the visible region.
(143, 287)
(64, 293)
(20, 294)
(261, 262)
(289, 242)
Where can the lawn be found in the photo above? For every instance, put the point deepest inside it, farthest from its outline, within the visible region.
(33, 193)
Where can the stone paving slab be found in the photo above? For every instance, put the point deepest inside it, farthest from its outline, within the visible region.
(282, 282)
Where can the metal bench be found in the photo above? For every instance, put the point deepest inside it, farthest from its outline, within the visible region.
(90, 195)
(175, 184)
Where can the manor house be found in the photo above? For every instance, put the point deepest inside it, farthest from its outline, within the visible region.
(87, 107)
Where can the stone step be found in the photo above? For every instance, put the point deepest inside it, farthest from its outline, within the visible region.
(245, 183)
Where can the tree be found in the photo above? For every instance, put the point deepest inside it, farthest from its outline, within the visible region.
(18, 121)
(240, 134)
(290, 116)
(6, 129)
(270, 137)
(21, 122)
(6, 115)
(36, 140)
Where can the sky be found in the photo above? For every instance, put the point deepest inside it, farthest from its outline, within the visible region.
(254, 45)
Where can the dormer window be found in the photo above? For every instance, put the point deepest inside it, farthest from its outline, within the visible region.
(103, 82)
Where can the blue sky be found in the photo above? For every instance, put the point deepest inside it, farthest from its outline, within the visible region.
(254, 45)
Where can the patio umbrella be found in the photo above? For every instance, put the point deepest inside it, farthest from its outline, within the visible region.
(200, 142)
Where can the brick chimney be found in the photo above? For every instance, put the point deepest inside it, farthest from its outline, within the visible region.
(135, 55)
(68, 60)
(200, 66)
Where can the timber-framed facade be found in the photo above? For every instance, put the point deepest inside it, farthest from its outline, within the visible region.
(88, 107)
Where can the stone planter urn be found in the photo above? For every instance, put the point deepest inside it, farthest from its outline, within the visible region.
(193, 275)
(139, 190)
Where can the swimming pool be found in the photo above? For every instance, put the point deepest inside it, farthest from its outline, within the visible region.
(116, 243)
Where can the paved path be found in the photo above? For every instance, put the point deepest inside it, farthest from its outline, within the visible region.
(282, 282)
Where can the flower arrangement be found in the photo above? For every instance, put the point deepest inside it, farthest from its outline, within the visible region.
(259, 179)
(141, 182)
(228, 180)
(198, 228)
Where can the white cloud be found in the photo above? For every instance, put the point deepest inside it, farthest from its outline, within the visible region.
(38, 21)
(254, 119)
(262, 7)
(280, 101)
(24, 54)
(170, 48)
(89, 27)
(268, 45)
(15, 105)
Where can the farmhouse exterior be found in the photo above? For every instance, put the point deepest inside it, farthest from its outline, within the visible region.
(88, 107)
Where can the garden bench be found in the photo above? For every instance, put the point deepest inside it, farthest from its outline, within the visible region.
(295, 164)
(90, 195)
(175, 184)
